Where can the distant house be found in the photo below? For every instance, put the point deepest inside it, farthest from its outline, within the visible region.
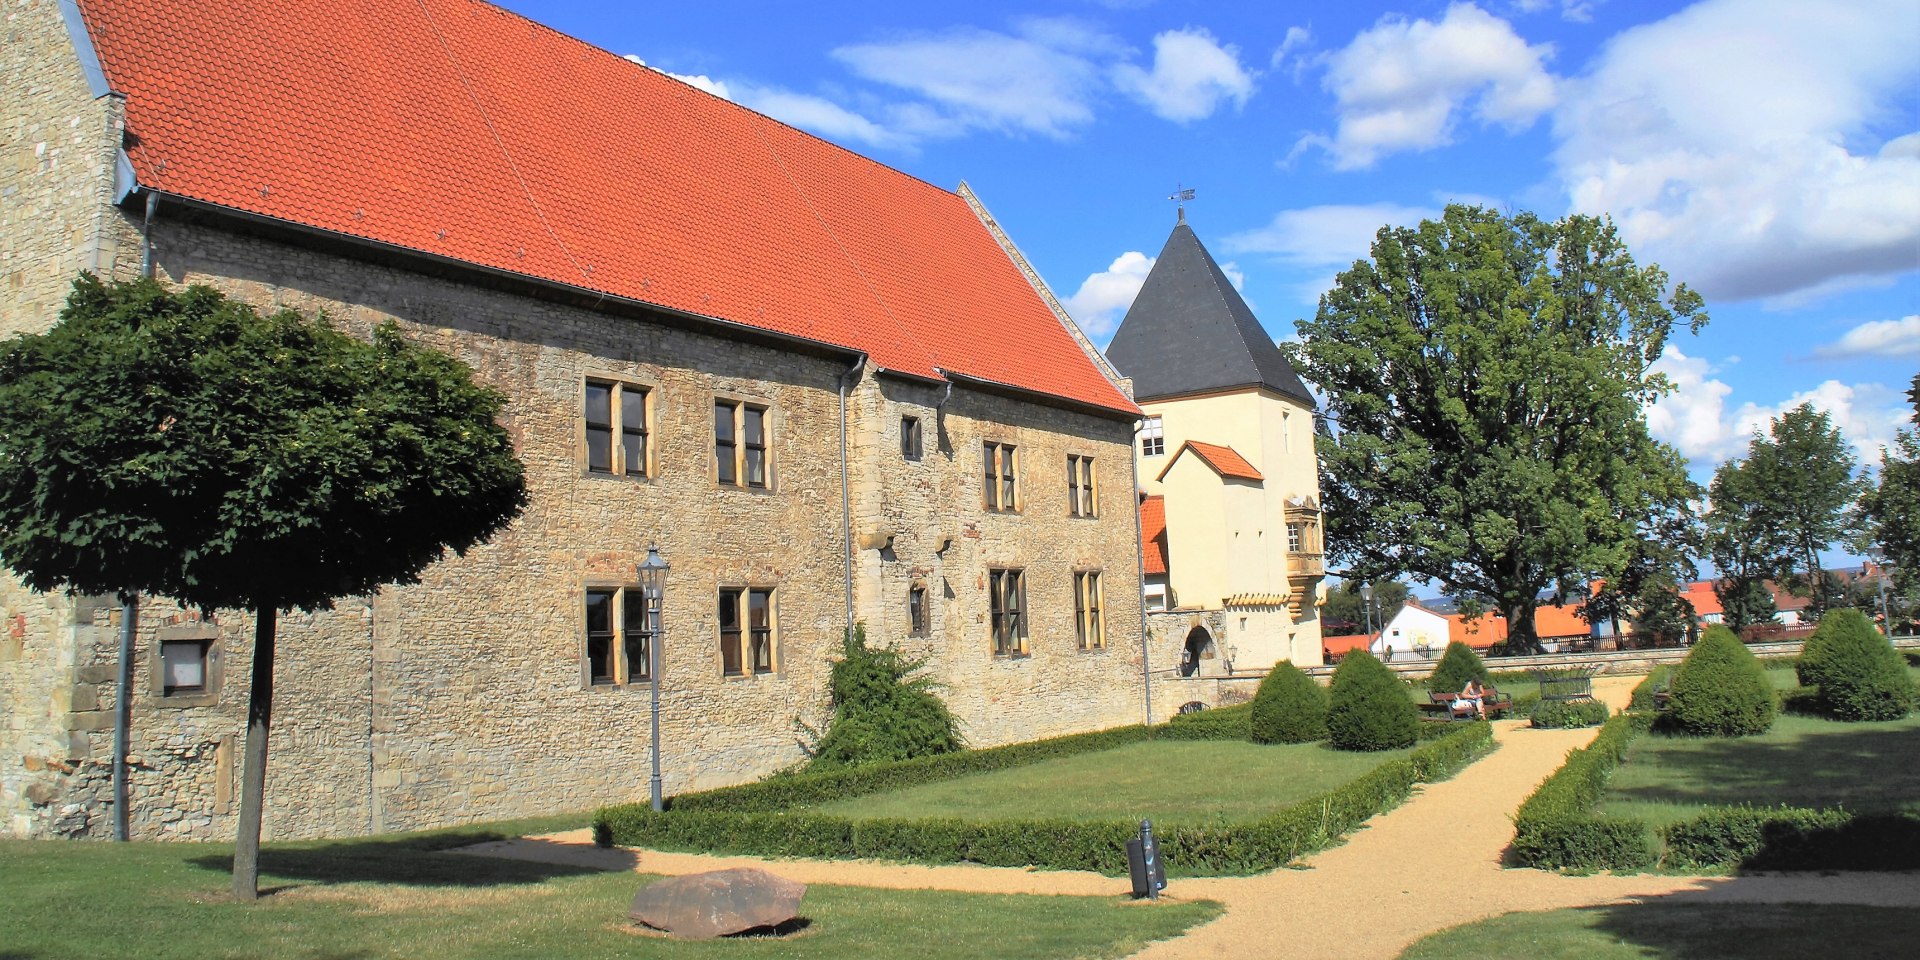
(1417, 629)
(1421, 629)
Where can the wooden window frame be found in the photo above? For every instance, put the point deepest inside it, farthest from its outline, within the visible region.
(1089, 610)
(734, 453)
(1296, 537)
(735, 604)
(1083, 487)
(618, 427)
(212, 666)
(1153, 437)
(1000, 477)
(912, 439)
(919, 611)
(625, 643)
(1007, 611)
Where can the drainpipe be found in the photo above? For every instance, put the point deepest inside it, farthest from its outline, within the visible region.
(846, 496)
(129, 614)
(1140, 565)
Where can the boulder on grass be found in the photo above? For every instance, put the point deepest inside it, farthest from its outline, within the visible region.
(701, 906)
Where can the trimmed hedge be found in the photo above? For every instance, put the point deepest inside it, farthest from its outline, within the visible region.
(1859, 674)
(1720, 690)
(1656, 680)
(1368, 707)
(1458, 665)
(1556, 828)
(1055, 844)
(1219, 723)
(1288, 708)
(1568, 714)
(1794, 838)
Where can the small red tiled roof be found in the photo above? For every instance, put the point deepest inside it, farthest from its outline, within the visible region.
(464, 131)
(1224, 460)
(1347, 642)
(1705, 601)
(1153, 534)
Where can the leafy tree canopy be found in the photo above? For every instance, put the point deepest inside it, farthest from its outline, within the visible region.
(1744, 545)
(1345, 604)
(1802, 490)
(183, 445)
(1890, 510)
(1488, 376)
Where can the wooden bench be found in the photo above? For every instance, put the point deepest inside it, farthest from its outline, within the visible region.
(1491, 699)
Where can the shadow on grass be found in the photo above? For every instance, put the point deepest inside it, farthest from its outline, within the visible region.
(402, 861)
(1704, 925)
(1863, 767)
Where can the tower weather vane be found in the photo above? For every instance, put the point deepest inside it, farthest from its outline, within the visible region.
(1180, 197)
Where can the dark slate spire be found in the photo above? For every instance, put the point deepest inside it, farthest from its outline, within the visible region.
(1189, 331)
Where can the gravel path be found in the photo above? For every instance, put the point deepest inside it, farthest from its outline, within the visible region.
(1433, 863)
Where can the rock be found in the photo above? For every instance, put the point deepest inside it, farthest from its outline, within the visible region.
(700, 906)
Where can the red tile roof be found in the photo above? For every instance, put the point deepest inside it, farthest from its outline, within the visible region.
(1153, 534)
(458, 129)
(1347, 642)
(1479, 633)
(1551, 621)
(1224, 460)
(1705, 601)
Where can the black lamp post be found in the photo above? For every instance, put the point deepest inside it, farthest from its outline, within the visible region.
(653, 584)
(1366, 608)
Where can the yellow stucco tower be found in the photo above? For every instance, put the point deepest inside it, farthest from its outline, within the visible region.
(1228, 447)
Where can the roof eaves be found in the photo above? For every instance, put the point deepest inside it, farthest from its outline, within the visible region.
(735, 329)
(1127, 413)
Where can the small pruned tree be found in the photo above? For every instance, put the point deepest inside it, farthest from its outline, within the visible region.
(178, 443)
(1859, 674)
(882, 710)
(1289, 707)
(1458, 665)
(1368, 707)
(1720, 690)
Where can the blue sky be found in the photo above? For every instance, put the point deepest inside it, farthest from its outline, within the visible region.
(1767, 152)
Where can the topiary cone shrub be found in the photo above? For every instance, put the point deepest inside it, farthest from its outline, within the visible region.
(1368, 707)
(1720, 690)
(1859, 674)
(1289, 707)
(1458, 665)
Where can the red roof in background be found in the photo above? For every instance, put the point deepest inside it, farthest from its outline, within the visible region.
(1479, 633)
(458, 129)
(1556, 621)
(1153, 534)
(1224, 460)
(1705, 601)
(1347, 642)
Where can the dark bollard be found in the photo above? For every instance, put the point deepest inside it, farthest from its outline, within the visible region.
(1144, 865)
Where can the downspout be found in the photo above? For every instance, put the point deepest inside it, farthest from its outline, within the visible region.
(129, 615)
(846, 496)
(1140, 565)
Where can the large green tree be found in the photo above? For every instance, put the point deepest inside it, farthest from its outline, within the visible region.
(1890, 509)
(1344, 603)
(1744, 545)
(1804, 489)
(181, 444)
(1486, 376)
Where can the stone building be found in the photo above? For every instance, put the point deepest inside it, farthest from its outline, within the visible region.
(1230, 509)
(828, 391)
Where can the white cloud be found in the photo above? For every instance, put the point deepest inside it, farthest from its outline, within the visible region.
(1736, 143)
(1323, 240)
(1402, 84)
(1294, 45)
(819, 115)
(700, 80)
(1877, 338)
(1103, 298)
(1042, 79)
(1693, 417)
(1192, 75)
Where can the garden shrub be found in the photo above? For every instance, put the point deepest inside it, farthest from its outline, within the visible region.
(881, 710)
(1656, 680)
(1288, 708)
(1794, 838)
(1219, 723)
(1556, 828)
(1458, 665)
(1720, 690)
(1567, 714)
(1368, 707)
(1859, 674)
(1055, 844)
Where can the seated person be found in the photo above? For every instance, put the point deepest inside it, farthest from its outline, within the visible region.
(1470, 699)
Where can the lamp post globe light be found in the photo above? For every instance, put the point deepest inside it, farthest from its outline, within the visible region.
(1366, 608)
(653, 584)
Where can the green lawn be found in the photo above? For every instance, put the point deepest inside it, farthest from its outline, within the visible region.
(400, 898)
(1803, 762)
(1187, 782)
(1668, 930)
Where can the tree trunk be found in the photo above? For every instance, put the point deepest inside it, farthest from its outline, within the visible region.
(1521, 632)
(253, 788)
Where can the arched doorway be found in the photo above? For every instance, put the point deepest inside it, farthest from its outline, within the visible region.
(1199, 645)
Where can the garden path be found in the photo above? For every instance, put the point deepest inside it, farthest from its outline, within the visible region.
(1432, 863)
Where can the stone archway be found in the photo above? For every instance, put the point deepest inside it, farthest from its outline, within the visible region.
(1199, 646)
